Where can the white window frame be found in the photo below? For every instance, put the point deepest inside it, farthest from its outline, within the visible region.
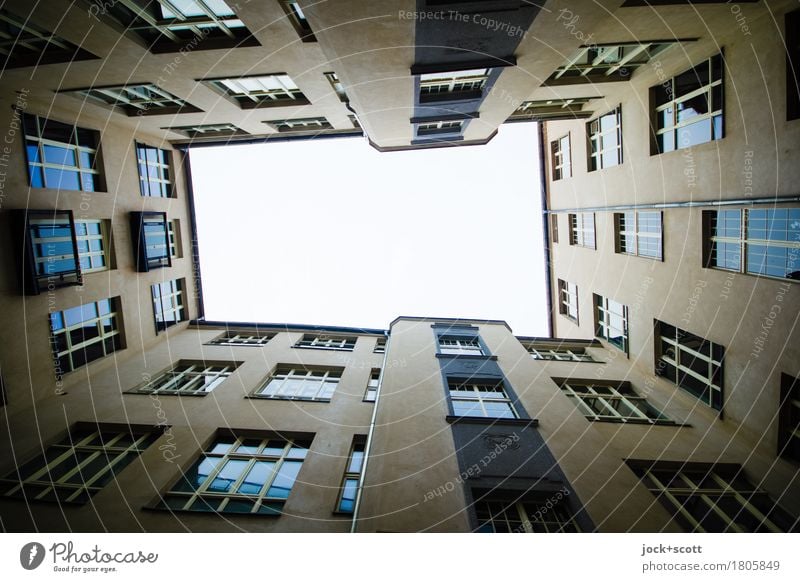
(352, 474)
(188, 378)
(597, 138)
(559, 353)
(604, 314)
(289, 382)
(604, 60)
(611, 397)
(436, 127)
(304, 124)
(525, 512)
(453, 81)
(236, 339)
(268, 88)
(371, 393)
(98, 260)
(460, 345)
(326, 342)
(143, 98)
(476, 388)
(561, 154)
(167, 26)
(163, 171)
(629, 233)
(568, 300)
(170, 298)
(583, 230)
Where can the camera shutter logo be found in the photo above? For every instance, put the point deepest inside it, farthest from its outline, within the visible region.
(31, 555)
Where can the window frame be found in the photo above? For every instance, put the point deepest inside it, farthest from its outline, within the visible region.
(567, 291)
(453, 383)
(603, 315)
(453, 85)
(184, 374)
(288, 375)
(620, 391)
(352, 473)
(296, 16)
(519, 502)
(542, 351)
(325, 341)
(621, 230)
(233, 88)
(164, 171)
(171, 302)
(595, 154)
(115, 335)
(135, 100)
(299, 124)
(144, 242)
(53, 49)
(371, 393)
(460, 345)
(233, 338)
(561, 157)
(581, 233)
(789, 418)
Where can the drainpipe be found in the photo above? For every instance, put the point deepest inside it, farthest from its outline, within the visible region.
(545, 232)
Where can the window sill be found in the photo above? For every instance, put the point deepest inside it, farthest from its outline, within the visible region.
(291, 399)
(639, 422)
(466, 357)
(451, 419)
(156, 393)
(323, 348)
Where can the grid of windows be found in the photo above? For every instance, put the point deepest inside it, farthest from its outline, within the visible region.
(154, 171)
(605, 140)
(336, 85)
(480, 398)
(581, 230)
(568, 299)
(327, 342)
(241, 474)
(92, 240)
(789, 418)
(261, 91)
(610, 401)
(639, 233)
(452, 84)
(558, 352)
(460, 345)
(561, 157)
(609, 62)
(372, 386)
(61, 156)
(294, 382)
(349, 489)
(305, 124)
(82, 334)
(763, 242)
(168, 303)
(691, 362)
(232, 338)
(712, 498)
(188, 378)
(611, 321)
(298, 19)
(498, 513)
(437, 127)
(688, 109)
(142, 99)
(74, 469)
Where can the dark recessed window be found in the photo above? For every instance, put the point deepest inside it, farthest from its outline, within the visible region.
(150, 238)
(789, 418)
(48, 251)
(258, 91)
(27, 45)
(298, 19)
(462, 345)
(594, 63)
(793, 65)
(371, 392)
(561, 158)
(531, 512)
(241, 338)
(452, 85)
(336, 85)
(610, 401)
(568, 300)
(85, 333)
(557, 351)
(188, 377)
(554, 227)
(137, 100)
(208, 130)
(304, 124)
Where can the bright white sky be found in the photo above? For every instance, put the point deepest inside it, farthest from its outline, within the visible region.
(332, 232)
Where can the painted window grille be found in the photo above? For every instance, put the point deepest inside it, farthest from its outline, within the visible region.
(85, 333)
(554, 227)
(605, 140)
(137, 100)
(712, 498)
(62, 156)
(294, 382)
(608, 400)
(639, 233)
(336, 85)
(75, 468)
(691, 362)
(543, 512)
(168, 303)
(24, 44)
(561, 156)
(582, 230)
(174, 234)
(298, 19)
(611, 321)
(260, 91)
(327, 342)
(558, 352)
(437, 127)
(355, 462)
(154, 171)
(188, 377)
(762, 242)
(568, 300)
(460, 345)
(380, 346)
(208, 130)
(613, 62)
(372, 385)
(480, 399)
(305, 124)
(235, 338)
(93, 245)
(688, 109)
(470, 81)
(789, 418)
(240, 474)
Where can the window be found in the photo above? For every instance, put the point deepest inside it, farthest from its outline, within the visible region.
(92, 237)
(47, 248)
(439, 127)
(355, 462)
(372, 386)
(531, 512)
(568, 299)
(605, 140)
(296, 382)
(611, 322)
(380, 346)
(608, 400)
(168, 303)
(245, 338)
(150, 239)
(175, 247)
(306, 124)
(154, 171)
(260, 90)
(480, 398)
(789, 418)
(62, 156)
(3, 397)
(27, 45)
(763, 242)
(553, 109)
(452, 85)
(639, 233)
(137, 100)
(596, 64)
(82, 334)
(581, 230)
(240, 474)
(558, 352)
(336, 85)
(712, 498)
(80, 465)
(188, 378)
(327, 342)
(561, 158)
(298, 19)
(688, 109)
(691, 362)
(793, 65)
(554, 227)
(460, 345)
(208, 130)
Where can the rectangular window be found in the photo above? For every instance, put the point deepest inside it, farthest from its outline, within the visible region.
(687, 110)
(604, 135)
(597, 64)
(260, 90)
(460, 345)
(93, 244)
(154, 171)
(372, 386)
(439, 127)
(26, 45)
(582, 230)
(82, 334)
(609, 400)
(537, 512)
(49, 250)
(553, 109)
(452, 85)
(568, 300)
(296, 382)
(349, 489)
(298, 19)
(210, 130)
(150, 240)
(713, 498)
(188, 377)
(168, 303)
(175, 247)
(789, 418)
(480, 398)
(554, 227)
(137, 100)
(762, 242)
(305, 124)
(243, 338)
(691, 362)
(611, 321)
(62, 156)
(561, 352)
(380, 346)
(561, 158)
(240, 474)
(327, 342)
(639, 233)
(792, 65)
(80, 465)
(336, 85)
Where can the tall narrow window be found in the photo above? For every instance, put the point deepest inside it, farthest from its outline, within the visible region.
(336, 85)
(295, 382)
(355, 462)
(175, 247)
(372, 386)
(561, 157)
(611, 321)
(298, 19)
(639, 233)
(380, 346)
(581, 230)
(568, 299)
(611, 401)
(604, 135)
(93, 244)
(150, 240)
(168, 303)
(82, 334)
(154, 171)
(789, 418)
(793, 65)
(187, 377)
(480, 398)
(554, 227)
